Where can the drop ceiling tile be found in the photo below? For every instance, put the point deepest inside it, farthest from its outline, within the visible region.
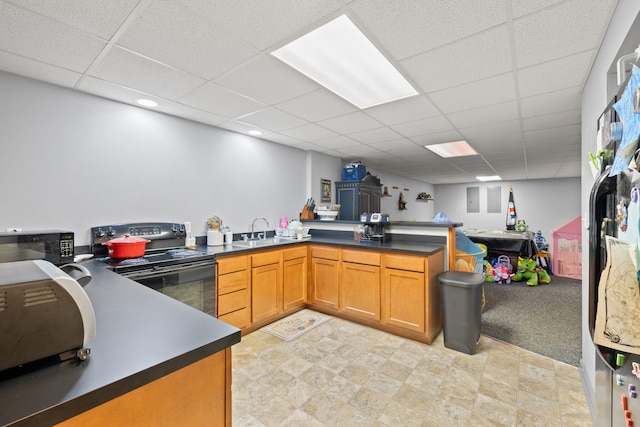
(551, 102)
(264, 23)
(267, 80)
(37, 70)
(520, 8)
(238, 126)
(392, 146)
(493, 90)
(474, 58)
(170, 33)
(318, 105)
(309, 133)
(555, 75)
(375, 135)
(190, 113)
(359, 150)
(496, 113)
(415, 153)
(487, 131)
(100, 18)
(114, 91)
(337, 142)
(273, 119)
(404, 110)
(282, 139)
(137, 72)
(552, 134)
(407, 27)
(218, 100)
(568, 28)
(437, 138)
(306, 146)
(424, 127)
(351, 123)
(564, 118)
(33, 36)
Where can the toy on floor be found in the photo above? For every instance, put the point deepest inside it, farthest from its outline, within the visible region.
(529, 269)
(502, 269)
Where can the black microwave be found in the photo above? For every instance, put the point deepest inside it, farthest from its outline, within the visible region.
(55, 246)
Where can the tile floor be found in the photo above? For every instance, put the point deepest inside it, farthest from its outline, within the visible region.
(345, 374)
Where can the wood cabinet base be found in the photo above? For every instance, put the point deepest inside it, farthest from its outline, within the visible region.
(196, 395)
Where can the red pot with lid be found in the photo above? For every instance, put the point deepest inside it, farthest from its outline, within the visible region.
(126, 247)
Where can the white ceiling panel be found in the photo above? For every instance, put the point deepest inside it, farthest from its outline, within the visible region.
(172, 34)
(554, 75)
(218, 100)
(272, 119)
(565, 29)
(493, 90)
(128, 69)
(351, 123)
(101, 19)
(474, 58)
(33, 36)
(209, 61)
(266, 79)
(407, 27)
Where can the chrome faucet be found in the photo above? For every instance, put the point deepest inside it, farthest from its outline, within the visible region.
(264, 231)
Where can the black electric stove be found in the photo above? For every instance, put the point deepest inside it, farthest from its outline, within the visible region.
(165, 249)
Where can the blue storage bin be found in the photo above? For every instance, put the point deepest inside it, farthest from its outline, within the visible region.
(354, 174)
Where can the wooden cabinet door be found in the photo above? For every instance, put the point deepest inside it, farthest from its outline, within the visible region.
(324, 282)
(404, 299)
(294, 283)
(360, 290)
(266, 291)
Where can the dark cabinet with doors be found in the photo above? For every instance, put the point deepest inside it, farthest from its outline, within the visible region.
(358, 197)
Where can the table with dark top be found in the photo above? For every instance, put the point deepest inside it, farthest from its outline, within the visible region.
(141, 335)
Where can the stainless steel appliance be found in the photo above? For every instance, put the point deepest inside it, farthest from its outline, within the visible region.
(44, 313)
(55, 246)
(374, 227)
(187, 275)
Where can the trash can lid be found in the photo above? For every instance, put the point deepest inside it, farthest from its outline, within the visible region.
(461, 278)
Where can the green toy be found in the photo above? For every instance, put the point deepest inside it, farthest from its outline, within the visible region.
(528, 269)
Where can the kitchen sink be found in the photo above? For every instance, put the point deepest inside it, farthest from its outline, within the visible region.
(253, 243)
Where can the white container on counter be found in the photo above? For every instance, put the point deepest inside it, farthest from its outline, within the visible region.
(228, 237)
(214, 238)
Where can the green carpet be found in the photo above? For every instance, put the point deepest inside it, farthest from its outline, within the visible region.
(544, 319)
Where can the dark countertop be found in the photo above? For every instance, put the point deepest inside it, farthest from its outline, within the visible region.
(141, 335)
(409, 247)
(392, 223)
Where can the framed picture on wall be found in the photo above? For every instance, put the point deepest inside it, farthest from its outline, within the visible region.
(325, 190)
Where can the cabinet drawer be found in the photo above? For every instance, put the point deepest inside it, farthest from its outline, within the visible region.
(231, 264)
(361, 257)
(233, 282)
(239, 318)
(324, 252)
(232, 301)
(404, 262)
(293, 253)
(266, 258)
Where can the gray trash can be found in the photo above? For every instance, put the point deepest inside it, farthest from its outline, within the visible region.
(461, 294)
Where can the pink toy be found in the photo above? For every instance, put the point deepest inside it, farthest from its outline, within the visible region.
(502, 270)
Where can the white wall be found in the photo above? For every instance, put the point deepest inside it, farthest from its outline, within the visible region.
(544, 204)
(415, 211)
(71, 160)
(595, 98)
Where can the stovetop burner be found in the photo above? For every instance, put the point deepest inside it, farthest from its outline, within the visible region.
(165, 257)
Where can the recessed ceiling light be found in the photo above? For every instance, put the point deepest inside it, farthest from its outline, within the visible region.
(489, 178)
(254, 132)
(341, 58)
(452, 149)
(147, 103)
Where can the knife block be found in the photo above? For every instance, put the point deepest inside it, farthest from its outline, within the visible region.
(306, 214)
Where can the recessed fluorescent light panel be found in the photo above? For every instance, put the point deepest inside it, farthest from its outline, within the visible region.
(341, 58)
(489, 178)
(452, 149)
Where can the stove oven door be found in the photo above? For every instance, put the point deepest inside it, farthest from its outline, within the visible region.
(192, 284)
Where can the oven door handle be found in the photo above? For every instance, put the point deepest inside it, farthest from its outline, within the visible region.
(161, 271)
